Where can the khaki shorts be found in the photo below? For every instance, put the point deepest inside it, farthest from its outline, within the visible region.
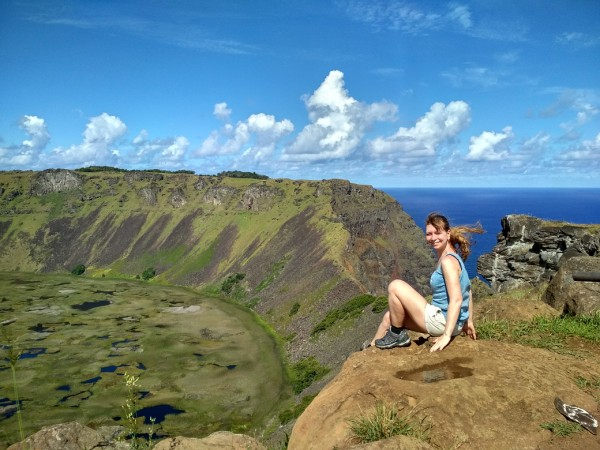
(435, 322)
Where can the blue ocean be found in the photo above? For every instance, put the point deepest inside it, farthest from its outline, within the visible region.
(466, 206)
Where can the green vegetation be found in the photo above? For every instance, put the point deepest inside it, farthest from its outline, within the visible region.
(349, 310)
(562, 428)
(181, 342)
(148, 273)
(93, 169)
(543, 332)
(295, 411)
(231, 282)
(275, 271)
(295, 308)
(387, 421)
(590, 385)
(130, 408)
(100, 169)
(305, 372)
(240, 174)
(79, 269)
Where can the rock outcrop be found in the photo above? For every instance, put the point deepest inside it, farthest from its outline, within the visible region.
(55, 180)
(530, 250)
(472, 395)
(571, 295)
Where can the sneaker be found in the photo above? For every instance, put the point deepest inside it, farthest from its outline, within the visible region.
(391, 340)
(365, 345)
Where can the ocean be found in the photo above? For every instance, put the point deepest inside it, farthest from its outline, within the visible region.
(466, 206)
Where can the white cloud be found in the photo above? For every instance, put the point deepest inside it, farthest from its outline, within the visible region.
(441, 124)
(588, 151)
(578, 40)
(168, 152)
(490, 146)
(460, 14)
(36, 128)
(260, 133)
(27, 154)
(221, 111)
(338, 122)
(100, 134)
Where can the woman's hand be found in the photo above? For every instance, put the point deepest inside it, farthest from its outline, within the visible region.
(440, 342)
(469, 328)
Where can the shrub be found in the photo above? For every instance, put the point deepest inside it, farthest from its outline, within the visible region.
(351, 309)
(305, 372)
(295, 308)
(79, 269)
(231, 281)
(149, 273)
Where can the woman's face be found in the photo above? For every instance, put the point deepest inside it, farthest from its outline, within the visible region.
(438, 239)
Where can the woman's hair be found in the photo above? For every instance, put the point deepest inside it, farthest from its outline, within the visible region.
(460, 238)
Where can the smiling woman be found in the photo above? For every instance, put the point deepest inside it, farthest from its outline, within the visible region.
(155, 333)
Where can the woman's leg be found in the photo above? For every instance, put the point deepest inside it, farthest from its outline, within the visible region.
(406, 306)
(383, 327)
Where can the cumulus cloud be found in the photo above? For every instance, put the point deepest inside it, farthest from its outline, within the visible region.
(168, 152)
(99, 137)
(440, 125)
(221, 111)
(255, 138)
(28, 152)
(490, 146)
(338, 122)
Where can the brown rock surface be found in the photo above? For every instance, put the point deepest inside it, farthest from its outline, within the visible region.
(216, 441)
(475, 394)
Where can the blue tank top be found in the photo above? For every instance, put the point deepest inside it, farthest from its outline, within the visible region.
(440, 293)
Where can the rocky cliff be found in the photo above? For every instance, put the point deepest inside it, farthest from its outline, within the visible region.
(291, 250)
(530, 250)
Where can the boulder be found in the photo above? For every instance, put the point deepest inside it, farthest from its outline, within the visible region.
(575, 296)
(73, 436)
(529, 250)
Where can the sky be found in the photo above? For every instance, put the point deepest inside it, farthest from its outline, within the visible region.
(484, 93)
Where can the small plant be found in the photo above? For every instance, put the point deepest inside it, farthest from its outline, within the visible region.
(561, 428)
(295, 308)
(386, 421)
(13, 355)
(305, 372)
(79, 269)
(149, 273)
(590, 385)
(130, 410)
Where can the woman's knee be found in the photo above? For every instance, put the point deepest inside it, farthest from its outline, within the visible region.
(397, 287)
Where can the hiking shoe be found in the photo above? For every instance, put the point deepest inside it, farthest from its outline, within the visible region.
(391, 340)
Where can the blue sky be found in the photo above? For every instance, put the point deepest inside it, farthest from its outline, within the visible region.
(387, 93)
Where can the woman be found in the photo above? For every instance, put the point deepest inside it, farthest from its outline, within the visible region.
(450, 310)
